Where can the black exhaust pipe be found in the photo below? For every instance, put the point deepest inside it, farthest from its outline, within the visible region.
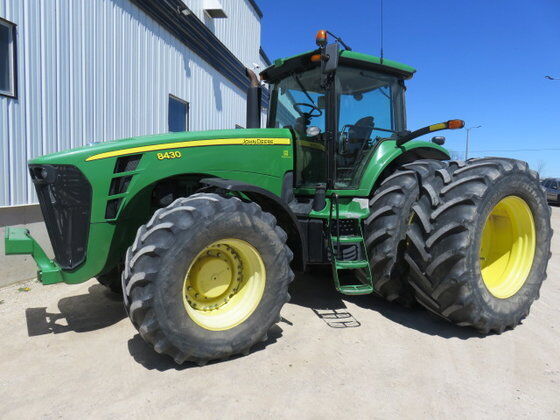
(254, 95)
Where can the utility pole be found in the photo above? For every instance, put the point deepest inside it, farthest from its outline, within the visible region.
(467, 145)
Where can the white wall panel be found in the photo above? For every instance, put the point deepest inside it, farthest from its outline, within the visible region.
(96, 70)
(240, 31)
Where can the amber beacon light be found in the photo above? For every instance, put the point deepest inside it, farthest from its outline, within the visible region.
(321, 38)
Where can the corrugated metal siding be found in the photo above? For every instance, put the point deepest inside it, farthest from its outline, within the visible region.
(240, 31)
(100, 70)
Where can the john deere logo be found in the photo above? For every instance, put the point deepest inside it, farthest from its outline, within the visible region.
(258, 141)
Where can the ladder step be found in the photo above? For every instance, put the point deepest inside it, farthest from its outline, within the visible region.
(346, 239)
(350, 265)
(356, 289)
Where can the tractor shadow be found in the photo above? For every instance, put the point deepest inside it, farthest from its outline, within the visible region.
(316, 291)
(145, 355)
(100, 308)
(97, 309)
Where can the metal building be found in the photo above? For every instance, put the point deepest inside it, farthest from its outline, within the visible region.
(78, 71)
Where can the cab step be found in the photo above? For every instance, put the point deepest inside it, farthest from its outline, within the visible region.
(343, 257)
(346, 239)
(365, 285)
(356, 289)
(351, 265)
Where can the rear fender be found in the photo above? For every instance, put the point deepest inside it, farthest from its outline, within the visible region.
(388, 157)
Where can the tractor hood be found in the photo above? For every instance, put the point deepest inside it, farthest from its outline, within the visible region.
(93, 198)
(118, 170)
(166, 142)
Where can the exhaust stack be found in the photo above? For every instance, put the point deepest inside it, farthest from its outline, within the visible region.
(254, 95)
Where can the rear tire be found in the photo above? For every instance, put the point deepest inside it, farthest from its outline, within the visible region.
(175, 270)
(448, 253)
(385, 233)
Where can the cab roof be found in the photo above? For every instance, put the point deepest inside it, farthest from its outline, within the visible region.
(281, 66)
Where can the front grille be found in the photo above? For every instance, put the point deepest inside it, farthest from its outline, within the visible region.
(65, 199)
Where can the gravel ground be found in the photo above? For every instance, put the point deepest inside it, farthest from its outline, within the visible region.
(70, 351)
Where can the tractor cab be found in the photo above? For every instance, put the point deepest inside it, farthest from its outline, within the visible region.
(339, 105)
(346, 113)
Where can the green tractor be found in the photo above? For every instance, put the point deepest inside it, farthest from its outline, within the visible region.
(200, 231)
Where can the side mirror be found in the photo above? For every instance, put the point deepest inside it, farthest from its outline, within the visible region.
(330, 62)
(439, 140)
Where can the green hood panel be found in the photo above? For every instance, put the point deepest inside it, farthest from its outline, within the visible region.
(73, 156)
(258, 156)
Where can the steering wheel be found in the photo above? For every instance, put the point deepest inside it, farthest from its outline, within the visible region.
(309, 114)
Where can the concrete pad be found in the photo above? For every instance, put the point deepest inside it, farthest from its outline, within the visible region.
(17, 268)
(70, 351)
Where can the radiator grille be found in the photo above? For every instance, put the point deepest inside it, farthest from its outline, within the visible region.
(65, 199)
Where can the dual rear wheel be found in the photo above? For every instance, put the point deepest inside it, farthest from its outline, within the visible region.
(477, 241)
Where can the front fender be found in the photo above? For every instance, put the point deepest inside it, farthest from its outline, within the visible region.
(274, 205)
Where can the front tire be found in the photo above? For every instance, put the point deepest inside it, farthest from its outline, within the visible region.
(479, 243)
(112, 280)
(207, 277)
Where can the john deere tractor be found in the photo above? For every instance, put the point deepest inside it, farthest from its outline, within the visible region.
(201, 231)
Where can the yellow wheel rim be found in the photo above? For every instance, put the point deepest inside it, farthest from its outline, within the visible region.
(224, 284)
(507, 249)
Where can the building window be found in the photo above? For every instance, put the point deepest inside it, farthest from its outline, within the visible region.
(7, 58)
(178, 114)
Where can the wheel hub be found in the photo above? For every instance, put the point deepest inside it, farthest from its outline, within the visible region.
(507, 248)
(224, 284)
(214, 277)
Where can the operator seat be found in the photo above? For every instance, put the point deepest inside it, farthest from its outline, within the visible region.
(358, 135)
(300, 126)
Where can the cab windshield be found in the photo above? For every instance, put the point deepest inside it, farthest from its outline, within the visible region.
(369, 107)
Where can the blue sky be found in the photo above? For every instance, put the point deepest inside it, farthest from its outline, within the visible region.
(481, 61)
